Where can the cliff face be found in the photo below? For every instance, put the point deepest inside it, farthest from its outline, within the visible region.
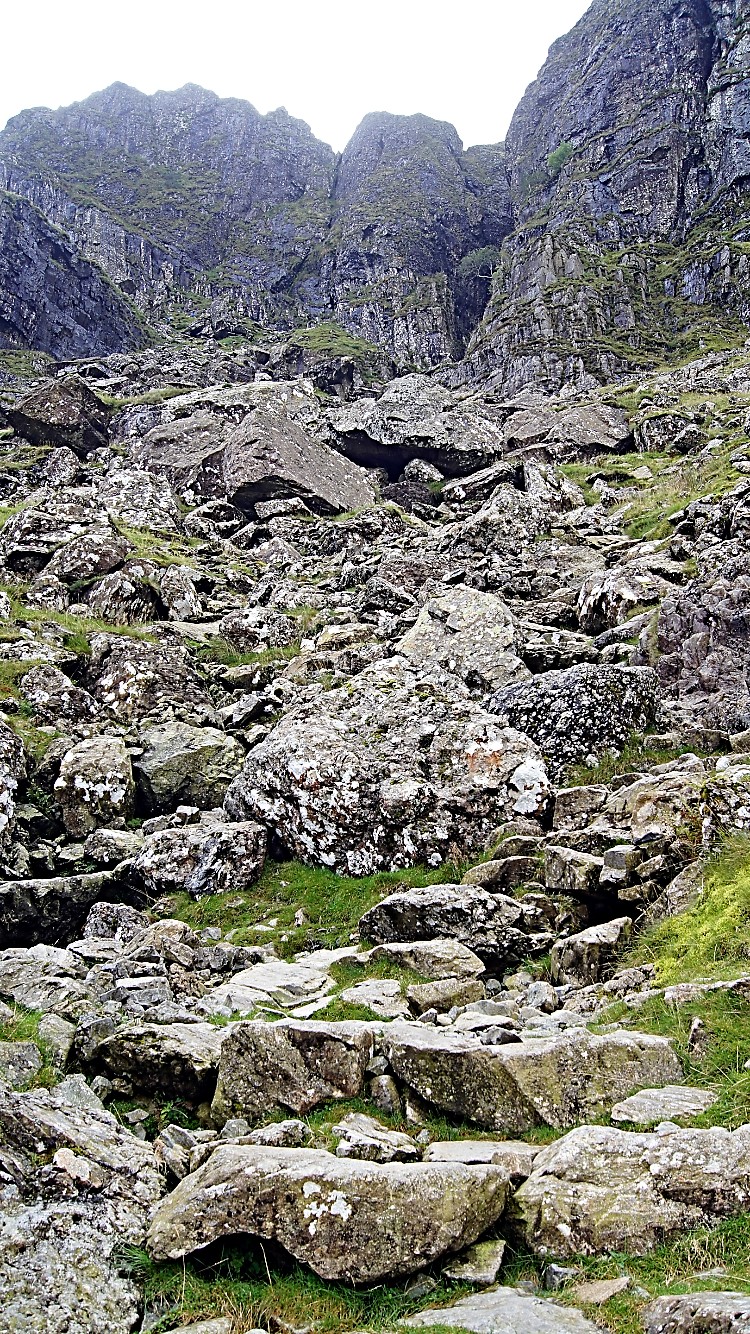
(628, 161)
(50, 297)
(614, 218)
(183, 198)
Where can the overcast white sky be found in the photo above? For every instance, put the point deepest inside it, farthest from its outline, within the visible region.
(327, 61)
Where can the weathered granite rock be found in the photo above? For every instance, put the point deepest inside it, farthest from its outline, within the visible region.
(590, 955)
(699, 1313)
(503, 1311)
(363, 1137)
(178, 1060)
(468, 633)
(553, 1081)
(580, 712)
(348, 1220)
(54, 909)
(134, 680)
(389, 771)
(438, 958)
(273, 983)
(207, 858)
(19, 1062)
(600, 1189)
(67, 1218)
(12, 772)
(184, 764)
(95, 785)
(490, 925)
(671, 1103)
(44, 978)
(291, 1065)
(62, 412)
(53, 696)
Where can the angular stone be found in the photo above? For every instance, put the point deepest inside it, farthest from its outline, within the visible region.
(468, 633)
(365, 1138)
(443, 995)
(274, 982)
(207, 858)
(95, 785)
(62, 412)
(54, 909)
(479, 1265)
(514, 1155)
(19, 1062)
(349, 1220)
(670, 1103)
(432, 958)
(186, 764)
(570, 872)
(381, 995)
(599, 1189)
(589, 956)
(699, 1313)
(292, 1065)
(490, 925)
(179, 1060)
(504, 1311)
(542, 1081)
(601, 1290)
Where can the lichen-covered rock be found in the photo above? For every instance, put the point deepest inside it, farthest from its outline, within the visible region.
(468, 633)
(553, 1081)
(134, 680)
(292, 1066)
(389, 771)
(53, 696)
(590, 955)
(12, 772)
(62, 412)
(503, 1311)
(185, 764)
(580, 712)
(490, 925)
(699, 1312)
(95, 785)
(207, 858)
(52, 910)
(77, 1186)
(350, 1220)
(599, 1189)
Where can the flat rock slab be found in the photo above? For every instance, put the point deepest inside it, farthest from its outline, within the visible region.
(349, 1220)
(601, 1290)
(514, 1155)
(665, 1104)
(275, 983)
(479, 1264)
(504, 1311)
(555, 1081)
(699, 1313)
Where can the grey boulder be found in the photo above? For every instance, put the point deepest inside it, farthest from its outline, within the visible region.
(348, 1220)
(699, 1313)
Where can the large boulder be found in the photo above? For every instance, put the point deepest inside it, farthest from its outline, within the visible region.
(53, 696)
(491, 925)
(580, 712)
(415, 417)
(181, 763)
(599, 1189)
(62, 412)
(178, 1060)
(44, 978)
(347, 1219)
(590, 955)
(95, 785)
(268, 453)
(77, 1188)
(468, 633)
(52, 910)
(391, 770)
(133, 680)
(207, 858)
(553, 1081)
(290, 1066)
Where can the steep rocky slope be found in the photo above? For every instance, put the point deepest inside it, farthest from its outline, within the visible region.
(347, 815)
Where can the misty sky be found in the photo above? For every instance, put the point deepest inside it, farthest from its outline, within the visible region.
(327, 61)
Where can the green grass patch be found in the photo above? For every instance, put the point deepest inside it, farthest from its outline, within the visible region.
(332, 904)
(711, 939)
(634, 757)
(23, 1026)
(219, 650)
